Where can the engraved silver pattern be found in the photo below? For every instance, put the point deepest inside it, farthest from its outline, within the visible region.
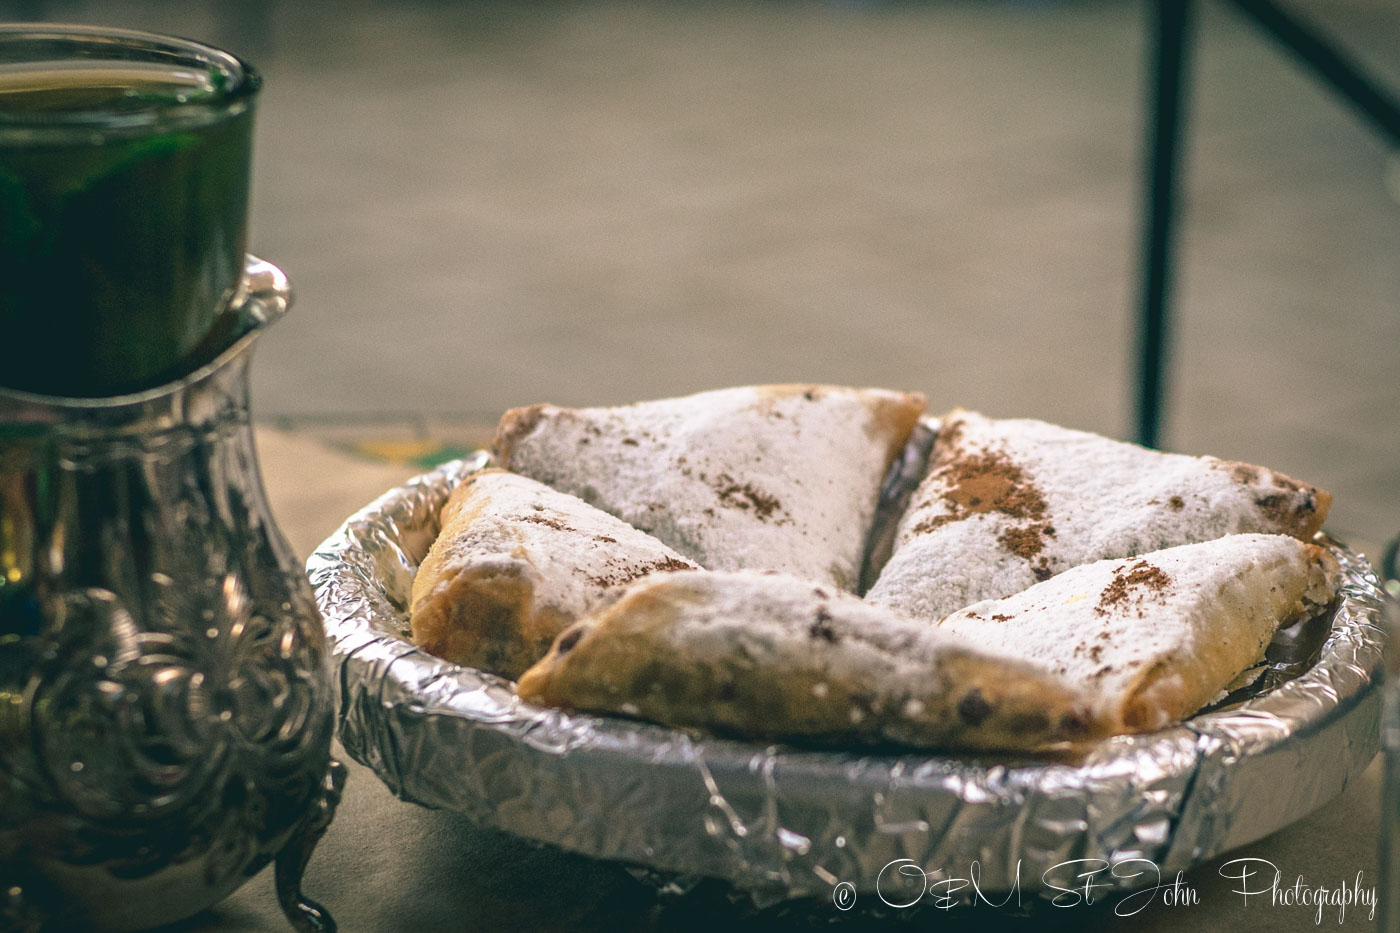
(165, 709)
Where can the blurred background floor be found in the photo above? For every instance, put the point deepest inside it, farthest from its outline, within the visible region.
(488, 204)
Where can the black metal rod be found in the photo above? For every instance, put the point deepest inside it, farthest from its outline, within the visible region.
(1328, 63)
(1170, 25)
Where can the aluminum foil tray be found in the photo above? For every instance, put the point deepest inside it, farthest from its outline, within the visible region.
(781, 822)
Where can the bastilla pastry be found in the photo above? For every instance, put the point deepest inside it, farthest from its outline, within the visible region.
(516, 562)
(1151, 639)
(769, 656)
(1008, 503)
(782, 477)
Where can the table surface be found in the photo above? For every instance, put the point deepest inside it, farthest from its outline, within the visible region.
(386, 865)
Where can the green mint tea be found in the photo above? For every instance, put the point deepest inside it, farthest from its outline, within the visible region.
(123, 204)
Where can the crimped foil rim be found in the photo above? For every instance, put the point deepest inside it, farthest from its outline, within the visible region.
(785, 822)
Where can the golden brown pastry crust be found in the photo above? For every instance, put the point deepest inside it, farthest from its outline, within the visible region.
(778, 477)
(1010, 502)
(1151, 639)
(514, 564)
(769, 656)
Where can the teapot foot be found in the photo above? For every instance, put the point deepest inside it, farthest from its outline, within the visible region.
(304, 914)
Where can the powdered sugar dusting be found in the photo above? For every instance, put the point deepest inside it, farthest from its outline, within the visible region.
(1008, 503)
(766, 477)
(705, 648)
(571, 551)
(1208, 609)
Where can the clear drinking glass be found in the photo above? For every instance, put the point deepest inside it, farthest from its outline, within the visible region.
(124, 165)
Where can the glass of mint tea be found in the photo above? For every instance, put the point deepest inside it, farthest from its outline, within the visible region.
(124, 164)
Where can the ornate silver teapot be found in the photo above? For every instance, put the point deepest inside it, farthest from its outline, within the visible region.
(165, 709)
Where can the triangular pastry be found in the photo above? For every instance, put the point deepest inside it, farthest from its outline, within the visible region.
(782, 477)
(515, 563)
(1007, 503)
(769, 656)
(1151, 639)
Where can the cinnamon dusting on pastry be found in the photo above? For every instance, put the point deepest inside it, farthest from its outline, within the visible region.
(780, 476)
(548, 522)
(623, 573)
(1128, 582)
(745, 496)
(1143, 500)
(989, 481)
(511, 568)
(948, 441)
(1026, 540)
